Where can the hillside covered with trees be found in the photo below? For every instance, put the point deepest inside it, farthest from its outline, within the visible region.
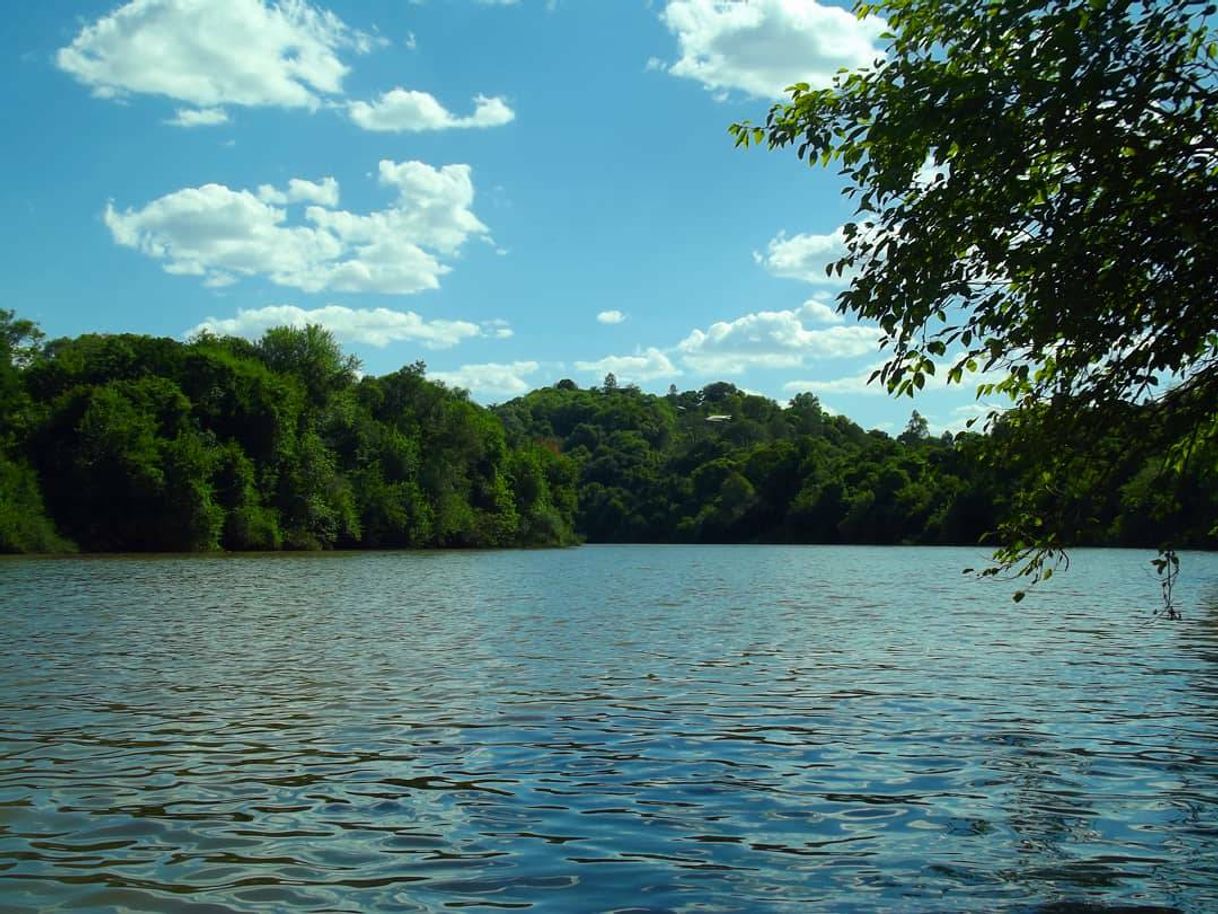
(722, 465)
(135, 443)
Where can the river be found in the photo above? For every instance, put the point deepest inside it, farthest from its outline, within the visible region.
(609, 728)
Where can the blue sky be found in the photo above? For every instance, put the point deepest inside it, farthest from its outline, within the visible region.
(514, 192)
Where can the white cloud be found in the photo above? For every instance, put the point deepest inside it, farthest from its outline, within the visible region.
(373, 326)
(850, 384)
(221, 234)
(491, 378)
(643, 366)
(763, 46)
(772, 339)
(210, 53)
(977, 413)
(402, 110)
(820, 311)
(764, 339)
(805, 257)
(324, 192)
(198, 117)
(930, 173)
(611, 317)
(498, 329)
(860, 384)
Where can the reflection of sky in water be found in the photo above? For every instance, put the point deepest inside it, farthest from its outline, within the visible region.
(633, 728)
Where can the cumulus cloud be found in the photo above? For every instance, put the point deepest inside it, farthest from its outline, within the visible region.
(762, 339)
(930, 173)
(323, 192)
(772, 339)
(861, 384)
(642, 366)
(763, 46)
(210, 53)
(373, 326)
(969, 417)
(818, 310)
(220, 234)
(805, 257)
(198, 117)
(492, 379)
(850, 384)
(405, 110)
(611, 317)
(499, 329)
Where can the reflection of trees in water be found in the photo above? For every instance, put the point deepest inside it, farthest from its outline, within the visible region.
(1047, 807)
(1153, 828)
(1194, 795)
(1207, 611)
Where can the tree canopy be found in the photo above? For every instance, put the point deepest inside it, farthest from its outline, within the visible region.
(127, 442)
(719, 464)
(1036, 194)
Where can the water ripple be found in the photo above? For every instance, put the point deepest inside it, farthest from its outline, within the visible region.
(630, 729)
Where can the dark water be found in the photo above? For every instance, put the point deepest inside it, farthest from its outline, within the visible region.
(604, 729)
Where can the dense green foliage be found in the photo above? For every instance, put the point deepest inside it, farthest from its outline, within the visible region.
(721, 465)
(1036, 190)
(24, 525)
(136, 443)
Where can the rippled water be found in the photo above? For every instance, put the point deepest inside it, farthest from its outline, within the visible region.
(604, 729)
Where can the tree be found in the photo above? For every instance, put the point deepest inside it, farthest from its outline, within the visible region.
(24, 525)
(312, 354)
(19, 339)
(917, 429)
(124, 468)
(1035, 195)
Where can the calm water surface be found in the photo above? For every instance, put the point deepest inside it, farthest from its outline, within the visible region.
(604, 729)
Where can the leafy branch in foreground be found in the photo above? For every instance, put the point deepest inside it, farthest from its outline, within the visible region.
(1036, 195)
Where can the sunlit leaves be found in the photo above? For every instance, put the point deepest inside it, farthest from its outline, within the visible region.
(1068, 235)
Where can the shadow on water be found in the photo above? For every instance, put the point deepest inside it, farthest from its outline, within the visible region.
(1208, 607)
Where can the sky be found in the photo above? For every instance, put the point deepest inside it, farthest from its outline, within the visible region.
(512, 191)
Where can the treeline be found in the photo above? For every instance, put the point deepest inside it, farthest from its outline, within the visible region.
(721, 465)
(123, 442)
(135, 443)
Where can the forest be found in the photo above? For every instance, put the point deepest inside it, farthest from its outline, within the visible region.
(135, 443)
